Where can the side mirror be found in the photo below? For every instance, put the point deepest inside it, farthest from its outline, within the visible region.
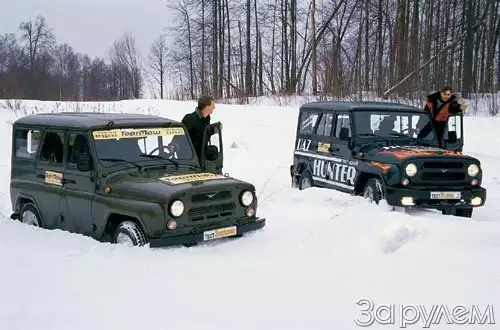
(83, 162)
(344, 134)
(212, 153)
(452, 137)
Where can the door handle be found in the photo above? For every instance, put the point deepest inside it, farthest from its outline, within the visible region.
(68, 181)
(41, 176)
(334, 149)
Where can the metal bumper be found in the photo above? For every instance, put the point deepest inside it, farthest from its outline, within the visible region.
(199, 237)
(422, 197)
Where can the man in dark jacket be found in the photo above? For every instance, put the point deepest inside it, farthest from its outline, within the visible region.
(197, 120)
(441, 105)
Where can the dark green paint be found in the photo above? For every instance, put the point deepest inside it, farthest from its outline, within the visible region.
(357, 150)
(81, 205)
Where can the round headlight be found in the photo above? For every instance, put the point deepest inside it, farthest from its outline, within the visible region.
(411, 169)
(473, 170)
(177, 208)
(247, 198)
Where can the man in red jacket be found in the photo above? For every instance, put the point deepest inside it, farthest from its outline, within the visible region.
(441, 105)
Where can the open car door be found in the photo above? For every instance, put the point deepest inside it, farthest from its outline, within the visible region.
(211, 151)
(454, 133)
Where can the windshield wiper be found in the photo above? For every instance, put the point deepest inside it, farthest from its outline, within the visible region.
(120, 160)
(418, 141)
(161, 157)
(375, 135)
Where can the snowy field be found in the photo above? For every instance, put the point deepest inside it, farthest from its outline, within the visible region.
(320, 252)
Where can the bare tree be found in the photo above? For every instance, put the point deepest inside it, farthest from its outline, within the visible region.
(38, 38)
(125, 60)
(158, 62)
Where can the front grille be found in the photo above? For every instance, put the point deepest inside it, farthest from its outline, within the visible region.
(441, 173)
(211, 196)
(438, 175)
(211, 212)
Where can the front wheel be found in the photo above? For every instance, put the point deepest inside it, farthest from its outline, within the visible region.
(374, 191)
(130, 234)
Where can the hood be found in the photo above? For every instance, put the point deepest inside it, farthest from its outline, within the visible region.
(160, 187)
(397, 154)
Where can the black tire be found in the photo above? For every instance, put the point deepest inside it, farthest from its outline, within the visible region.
(130, 233)
(305, 180)
(29, 215)
(374, 191)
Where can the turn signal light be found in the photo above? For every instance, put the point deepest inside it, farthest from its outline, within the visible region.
(171, 224)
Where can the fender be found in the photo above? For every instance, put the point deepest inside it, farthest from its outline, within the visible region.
(127, 214)
(17, 208)
(302, 166)
(373, 169)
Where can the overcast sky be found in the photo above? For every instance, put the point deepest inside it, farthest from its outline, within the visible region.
(90, 26)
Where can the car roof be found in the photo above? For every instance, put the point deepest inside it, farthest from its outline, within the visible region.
(361, 105)
(90, 120)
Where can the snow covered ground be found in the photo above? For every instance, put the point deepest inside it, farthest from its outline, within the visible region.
(320, 252)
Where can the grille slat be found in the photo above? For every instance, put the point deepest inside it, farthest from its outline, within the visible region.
(446, 172)
(443, 165)
(210, 212)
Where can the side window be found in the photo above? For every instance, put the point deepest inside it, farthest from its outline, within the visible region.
(343, 121)
(77, 143)
(325, 125)
(52, 147)
(26, 143)
(308, 122)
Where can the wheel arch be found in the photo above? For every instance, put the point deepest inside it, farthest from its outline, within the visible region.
(302, 165)
(363, 179)
(21, 200)
(114, 218)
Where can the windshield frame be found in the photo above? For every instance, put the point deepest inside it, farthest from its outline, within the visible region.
(146, 162)
(392, 139)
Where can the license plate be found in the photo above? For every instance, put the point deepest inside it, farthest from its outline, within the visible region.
(219, 233)
(446, 195)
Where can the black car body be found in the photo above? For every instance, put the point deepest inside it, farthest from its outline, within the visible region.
(126, 178)
(373, 149)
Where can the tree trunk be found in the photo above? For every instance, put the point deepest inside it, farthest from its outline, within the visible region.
(313, 54)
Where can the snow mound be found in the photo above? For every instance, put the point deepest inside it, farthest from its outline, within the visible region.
(395, 236)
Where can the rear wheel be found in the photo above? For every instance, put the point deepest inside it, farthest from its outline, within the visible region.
(30, 216)
(305, 180)
(130, 233)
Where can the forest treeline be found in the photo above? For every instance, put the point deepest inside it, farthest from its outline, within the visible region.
(33, 65)
(334, 48)
(244, 48)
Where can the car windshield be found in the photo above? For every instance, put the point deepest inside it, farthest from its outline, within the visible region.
(143, 144)
(390, 125)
